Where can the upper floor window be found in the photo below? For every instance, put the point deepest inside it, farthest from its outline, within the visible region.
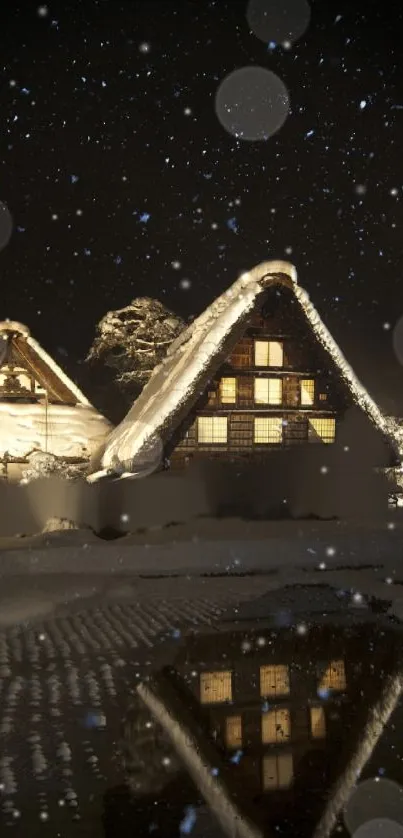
(333, 678)
(307, 390)
(318, 722)
(212, 429)
(276, 726)
(322, 430)
(215, 687)
(268, 353)
(274, 680)
(228, 390)
(233, 731)
(268, 391)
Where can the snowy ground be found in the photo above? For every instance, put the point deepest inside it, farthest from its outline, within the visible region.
(208, 546)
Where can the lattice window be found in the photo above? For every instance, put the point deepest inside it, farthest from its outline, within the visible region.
(212, 430)
(228, 390)
(274, 680)
(334, 677)
(233, 731)
(323, 430)
(268, 391)
(268, 353)
(278, 771)
(215, 687)
(268, 430)
(318, 722)
(276, 727)
(307, 389)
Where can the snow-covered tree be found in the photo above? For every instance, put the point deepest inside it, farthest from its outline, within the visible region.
(134, 339)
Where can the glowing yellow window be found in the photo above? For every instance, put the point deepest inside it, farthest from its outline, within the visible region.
(276, 726)
(268, 430)
(212, 429)
(274, 680)
(233, 731)
(268, 391)
(307, 386)
(215, 687)
(278, 771)
(268, 353)
(322, 430)
(318, 722)
(334, 677)
(228, 390)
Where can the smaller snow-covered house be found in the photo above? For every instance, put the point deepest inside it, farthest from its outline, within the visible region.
(257, 372)
(41, 409)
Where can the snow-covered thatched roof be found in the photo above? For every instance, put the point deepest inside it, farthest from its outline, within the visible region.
(197, 353)
(44, 368)
(57, 418)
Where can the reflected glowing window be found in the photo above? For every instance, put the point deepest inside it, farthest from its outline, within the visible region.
(268, 391)
(334, 677)
(228, 390)
(233, 731)
(276, 727)
(215, 687)
(307, 386)
(278, 771)
(323, 430)
(318, 722)
(268, 353)
(212, 429)
(274, 680)
(268, 430)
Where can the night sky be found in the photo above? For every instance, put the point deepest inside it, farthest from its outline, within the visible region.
(121, 180)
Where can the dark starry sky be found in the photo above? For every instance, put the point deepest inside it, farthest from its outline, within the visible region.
(122, 182)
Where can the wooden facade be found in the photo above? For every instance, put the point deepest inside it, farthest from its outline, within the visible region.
(275, 389)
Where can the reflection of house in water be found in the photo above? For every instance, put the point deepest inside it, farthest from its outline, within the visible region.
(283, 709)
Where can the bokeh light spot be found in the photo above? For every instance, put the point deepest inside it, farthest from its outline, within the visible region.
(278, 21)
(252, 103)
(372, 800)
(379, 828)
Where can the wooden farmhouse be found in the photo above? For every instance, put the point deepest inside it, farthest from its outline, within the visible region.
(258, 371)
(41, 409)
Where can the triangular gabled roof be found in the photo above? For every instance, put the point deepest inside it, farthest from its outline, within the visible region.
(197, 353)
(21, 349)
